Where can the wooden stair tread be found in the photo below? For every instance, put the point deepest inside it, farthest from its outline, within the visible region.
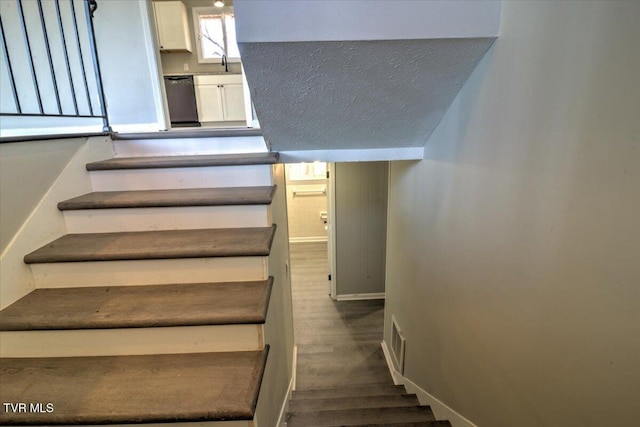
(153, 162)
(359, 416)
(171, 198)
(350, 390)
(354, 402)
(134, 389)
(139, 306)
(166, 244)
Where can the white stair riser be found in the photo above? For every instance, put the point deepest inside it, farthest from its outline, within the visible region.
(189, 146)
(145, 272)
(173, 218)
(172, 178)
(131, 341)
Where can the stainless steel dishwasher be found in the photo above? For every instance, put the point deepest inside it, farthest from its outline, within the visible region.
(181, 97)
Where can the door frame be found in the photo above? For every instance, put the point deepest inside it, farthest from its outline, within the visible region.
(153, 55)
(331, 235)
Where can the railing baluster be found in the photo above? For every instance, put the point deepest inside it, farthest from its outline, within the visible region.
(48, 46)
(12, 79)
(66, 57)
(90, 7)
(30, 56)
(33, 44)
(84, 71)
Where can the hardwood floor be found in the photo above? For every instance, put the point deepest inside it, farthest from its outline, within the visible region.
(342, 377)
(338, 342)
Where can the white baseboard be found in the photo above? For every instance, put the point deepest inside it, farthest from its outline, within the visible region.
(398, 379)
(282, 418)
(311, 239)
(294, 367)
(439, 408)
(360, 297)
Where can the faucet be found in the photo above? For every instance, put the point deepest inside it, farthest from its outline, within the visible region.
(225, 62)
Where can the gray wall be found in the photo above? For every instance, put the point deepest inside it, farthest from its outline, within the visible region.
(173, 63)
(361, 223)
(513, 257)
(27, 170)
(357, 95)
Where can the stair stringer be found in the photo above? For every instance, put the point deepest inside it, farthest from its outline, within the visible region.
(278, 329)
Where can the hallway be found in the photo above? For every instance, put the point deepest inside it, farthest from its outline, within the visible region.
(338, 342)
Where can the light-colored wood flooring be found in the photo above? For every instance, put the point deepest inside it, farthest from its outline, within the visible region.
(338, 341)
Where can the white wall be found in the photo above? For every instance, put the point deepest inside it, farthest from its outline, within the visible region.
(27, 170)
(514, 247)
(129, 61)
(44, 187)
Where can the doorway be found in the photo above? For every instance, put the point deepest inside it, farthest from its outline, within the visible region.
(337, 212)
(308, 208)
(342, 208)
(202, 80)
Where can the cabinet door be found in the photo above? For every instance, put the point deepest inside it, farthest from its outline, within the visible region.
(172, 26)
(209, 99)
(233, 102)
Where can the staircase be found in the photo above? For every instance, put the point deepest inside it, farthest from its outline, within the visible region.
(359, 405)
(342, 376)
(152, 309)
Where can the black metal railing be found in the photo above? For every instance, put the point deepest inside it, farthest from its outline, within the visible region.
(49, 61)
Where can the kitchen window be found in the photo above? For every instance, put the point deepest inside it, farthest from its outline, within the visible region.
(215, 34)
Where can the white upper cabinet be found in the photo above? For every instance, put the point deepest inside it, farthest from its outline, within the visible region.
(172, 26)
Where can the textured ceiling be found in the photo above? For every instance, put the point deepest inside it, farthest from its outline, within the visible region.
(332, 95)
